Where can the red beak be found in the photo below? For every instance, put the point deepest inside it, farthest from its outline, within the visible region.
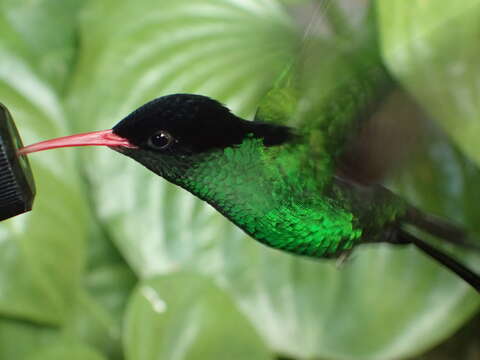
(97, 138)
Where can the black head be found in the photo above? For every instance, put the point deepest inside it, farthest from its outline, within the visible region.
(189, 124)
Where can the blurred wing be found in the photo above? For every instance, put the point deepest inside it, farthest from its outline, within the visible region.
(280, 103)
(337, 82)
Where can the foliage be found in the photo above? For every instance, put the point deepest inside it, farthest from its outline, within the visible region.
(115, 263)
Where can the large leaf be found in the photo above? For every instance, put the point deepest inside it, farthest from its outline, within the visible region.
(232, 51)
(41, 251)
(432, 47)
(27, 341)
(384, 303)
(185, 316)
(67, 350)
(19, 340)
(43, 34)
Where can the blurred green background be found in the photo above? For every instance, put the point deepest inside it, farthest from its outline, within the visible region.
(115, 263)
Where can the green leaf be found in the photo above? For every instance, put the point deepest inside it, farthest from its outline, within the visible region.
(19, 340)
(42, 33)
(385, 303)
(27, 341)
(107, 284)
(42, 253)
(185, 316)
(432, 47)
(108, 279)
(40, 265)
(91, 323)
(69, 351)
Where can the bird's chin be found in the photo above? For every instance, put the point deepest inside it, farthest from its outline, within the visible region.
(121, 149)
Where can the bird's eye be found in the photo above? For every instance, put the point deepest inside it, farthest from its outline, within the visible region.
(161, 140)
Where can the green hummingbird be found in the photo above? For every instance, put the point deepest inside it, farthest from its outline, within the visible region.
(279, 177)
(265, 178)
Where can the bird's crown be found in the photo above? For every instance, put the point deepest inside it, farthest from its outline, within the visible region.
(192, 123)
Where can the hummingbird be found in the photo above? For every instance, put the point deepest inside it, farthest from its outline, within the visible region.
(268, 179)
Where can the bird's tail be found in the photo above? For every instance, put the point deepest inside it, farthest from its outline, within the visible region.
(446, 260)
(441, 228)
(444, 230)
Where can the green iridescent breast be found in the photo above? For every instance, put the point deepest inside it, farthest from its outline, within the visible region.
(275, 197)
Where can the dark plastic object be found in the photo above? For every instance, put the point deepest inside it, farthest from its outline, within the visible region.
(17, 187)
